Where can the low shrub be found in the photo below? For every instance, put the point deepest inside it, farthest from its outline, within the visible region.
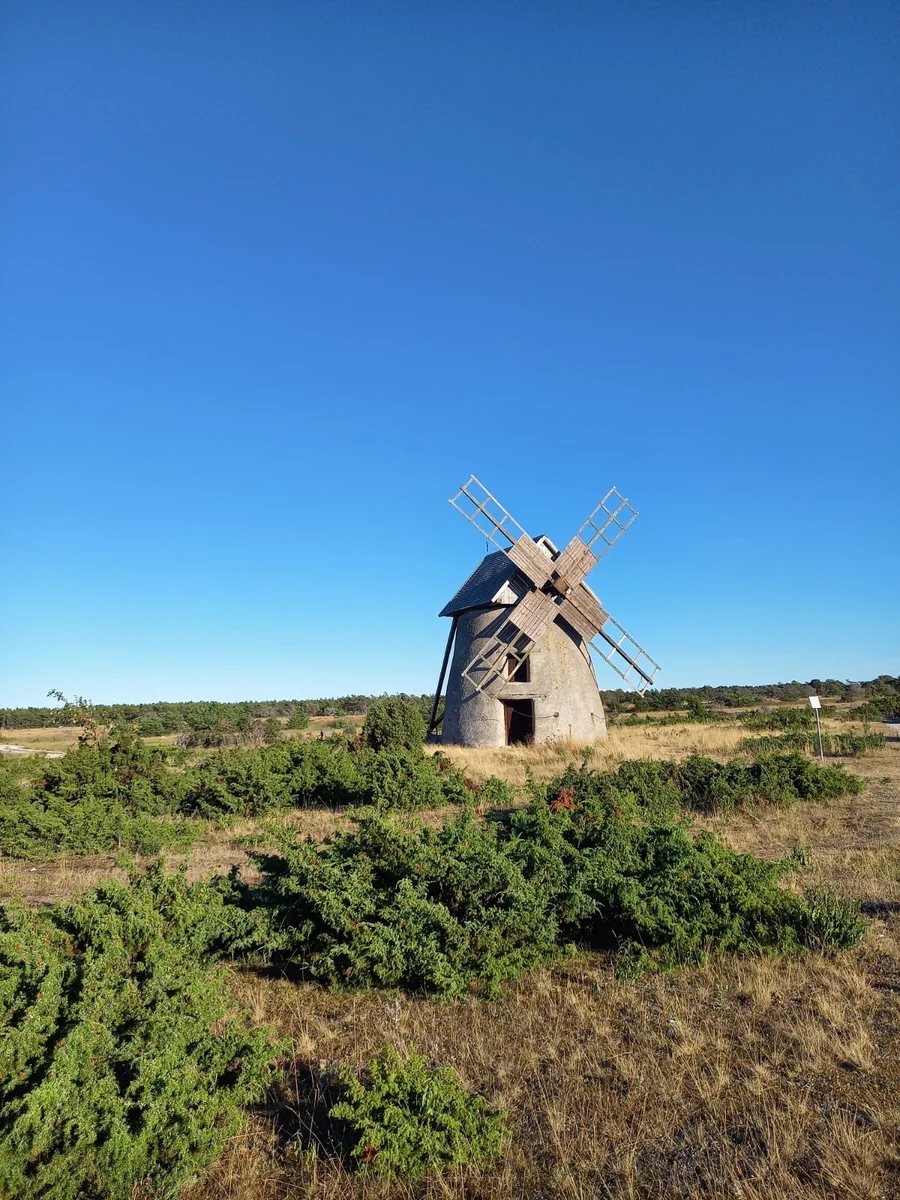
(875, 709)
(435, 910)
(834, 745)
(16, 771)
(778, 779)
(42, 826)
(121, 1064)
(245, 782)
(409, 1118)
(701, 784)
(330, 774)
(394, 723)
(598, 859)
(829, 922)
(401, 780)
(106, 795)
(617, 878)
(695, 715)
(782, 719)
(122, 769)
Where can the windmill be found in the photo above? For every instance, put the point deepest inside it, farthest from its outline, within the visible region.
(524, 623)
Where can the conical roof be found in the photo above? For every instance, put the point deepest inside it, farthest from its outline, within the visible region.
(481, 589)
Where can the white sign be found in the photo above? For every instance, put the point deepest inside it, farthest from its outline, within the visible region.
(815, 702)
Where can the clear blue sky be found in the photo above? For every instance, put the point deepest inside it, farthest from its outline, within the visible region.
(277, 276)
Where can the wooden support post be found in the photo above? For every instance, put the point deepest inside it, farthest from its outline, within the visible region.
(432, 724)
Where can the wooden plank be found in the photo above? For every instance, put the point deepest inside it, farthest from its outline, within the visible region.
(574, 562)
(533, 614)
(432, 724)
(584, 612)
(577, 620)
(520, 691)
(531, 560)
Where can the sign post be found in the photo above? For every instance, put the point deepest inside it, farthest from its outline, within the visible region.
(816, 704)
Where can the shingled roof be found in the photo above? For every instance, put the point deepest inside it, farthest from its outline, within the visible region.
(483, 584)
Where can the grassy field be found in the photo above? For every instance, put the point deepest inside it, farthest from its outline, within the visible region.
(64, 737)
(765, 1079)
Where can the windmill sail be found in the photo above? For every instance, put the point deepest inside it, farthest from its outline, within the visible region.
(557, 592)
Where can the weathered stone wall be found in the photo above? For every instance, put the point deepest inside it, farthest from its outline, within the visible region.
(470, 717)
(562, 685)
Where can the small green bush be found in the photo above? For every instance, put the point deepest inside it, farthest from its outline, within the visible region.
(828, 922)
(875, 709)
(331, 774)
(47, 827)
(392, 724)
(778, 779)
(834, 745)
(17, 770)
(495, 792)
(240, 782)
(402, 780)
(121, 1064)
(779, 719)
(123, 769)
(106, 795)
(409, 1118)
(701, 784)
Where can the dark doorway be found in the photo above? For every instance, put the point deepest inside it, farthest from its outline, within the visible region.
(519, 715)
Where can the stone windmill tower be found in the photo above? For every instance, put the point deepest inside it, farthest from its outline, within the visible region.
(523, 625)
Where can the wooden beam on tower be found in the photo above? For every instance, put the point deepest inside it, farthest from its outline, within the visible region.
(432, 724)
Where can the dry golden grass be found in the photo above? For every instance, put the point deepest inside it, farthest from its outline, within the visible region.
(762, 1078)
(624, 742)
(60, 737)
(64, 737)
(657, 742)
(870, 822)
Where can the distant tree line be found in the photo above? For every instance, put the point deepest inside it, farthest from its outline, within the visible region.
(883, 688)
(198, 717)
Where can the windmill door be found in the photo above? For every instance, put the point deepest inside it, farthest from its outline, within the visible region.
(519, 721)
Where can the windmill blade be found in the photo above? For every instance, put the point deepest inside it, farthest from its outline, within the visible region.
(606, 637)
(571, 565)
(573, 601)
(584, 612)
(513, 642)
(606, 524)
(626, 657)
(487, 514)
(487, 670)
(500, 528)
